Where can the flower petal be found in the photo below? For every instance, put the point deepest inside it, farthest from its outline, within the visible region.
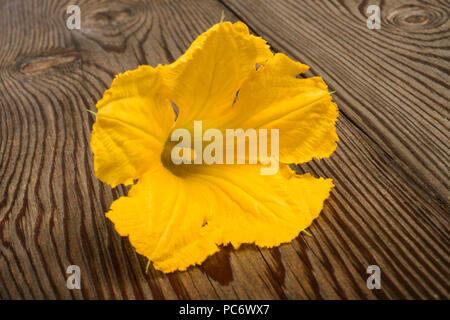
(165, 217)
(204, 81)
(133, 122)
(266, 210)
(178, 221)
(301, 109)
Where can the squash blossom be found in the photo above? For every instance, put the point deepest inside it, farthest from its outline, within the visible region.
(179, 214)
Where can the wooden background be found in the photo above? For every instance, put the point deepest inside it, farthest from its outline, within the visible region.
(390, 203)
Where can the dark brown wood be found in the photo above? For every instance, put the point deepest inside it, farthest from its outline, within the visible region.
(390, 203)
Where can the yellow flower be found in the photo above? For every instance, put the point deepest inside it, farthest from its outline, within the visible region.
(178, 215)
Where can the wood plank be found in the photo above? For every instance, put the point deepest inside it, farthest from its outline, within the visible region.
(52, 207)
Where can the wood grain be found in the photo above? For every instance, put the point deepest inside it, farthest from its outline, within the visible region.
(390, 203)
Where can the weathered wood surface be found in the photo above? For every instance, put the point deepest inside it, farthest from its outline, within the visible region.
(390, 203)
